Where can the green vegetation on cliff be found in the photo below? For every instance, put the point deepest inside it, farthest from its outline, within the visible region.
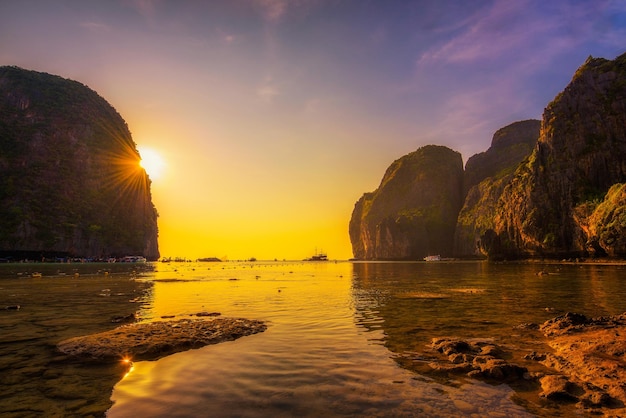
(486, 175)
(70, 183)
(580, 154)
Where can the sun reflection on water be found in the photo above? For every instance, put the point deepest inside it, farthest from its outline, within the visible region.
(128, 362)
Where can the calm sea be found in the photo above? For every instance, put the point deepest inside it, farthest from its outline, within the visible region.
(344, 339)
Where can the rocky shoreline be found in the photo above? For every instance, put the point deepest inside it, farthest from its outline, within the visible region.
(154, 340)
(584, 365)
(580, 367)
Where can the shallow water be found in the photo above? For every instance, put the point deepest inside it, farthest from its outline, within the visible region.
(66, 301)
(344, 339)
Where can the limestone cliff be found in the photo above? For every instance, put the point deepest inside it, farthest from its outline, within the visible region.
(486, 175)
(413, 212)
(70, 181)
(509, 146)
(554, 189)
(580, 155)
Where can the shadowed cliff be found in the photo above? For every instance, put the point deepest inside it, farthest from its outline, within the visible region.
(486, 175)
(70, 181)
(548, 207)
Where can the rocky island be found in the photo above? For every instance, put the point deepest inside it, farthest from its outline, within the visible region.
(70, 180)
(543, 189)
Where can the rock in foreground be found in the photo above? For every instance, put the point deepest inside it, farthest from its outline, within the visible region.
(154, 340)
(584, 371)
(591, 353)
(476, 359)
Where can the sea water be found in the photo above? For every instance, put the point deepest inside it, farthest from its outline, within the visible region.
(343, 339)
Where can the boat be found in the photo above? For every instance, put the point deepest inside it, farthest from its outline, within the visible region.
(432, 258)
(321, 256)
(133, 259)
(210, 260)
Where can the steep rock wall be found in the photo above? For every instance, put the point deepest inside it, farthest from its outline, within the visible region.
(580, 154)
(70, 181)
(486, 175)
(413, 212)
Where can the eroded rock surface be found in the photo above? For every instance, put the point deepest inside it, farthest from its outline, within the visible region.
(153, 340)
(583, 367)
(591, 354)
(476, 359)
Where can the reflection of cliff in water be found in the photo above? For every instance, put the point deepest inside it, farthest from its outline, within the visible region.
(405, 305)
(409, 302)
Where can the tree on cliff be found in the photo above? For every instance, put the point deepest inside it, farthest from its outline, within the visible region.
(70, 180)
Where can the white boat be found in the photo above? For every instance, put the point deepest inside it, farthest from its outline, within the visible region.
(432, 258)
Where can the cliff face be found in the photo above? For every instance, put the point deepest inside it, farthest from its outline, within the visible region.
(509, 146)
(70, 181)
(580, 154)
(413, 212)
(553, 189)
(486, 175)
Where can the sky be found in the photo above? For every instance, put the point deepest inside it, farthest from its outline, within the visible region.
(273, 117)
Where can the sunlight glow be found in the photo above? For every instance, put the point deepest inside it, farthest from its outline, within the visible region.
(152, 162)
(127, 361)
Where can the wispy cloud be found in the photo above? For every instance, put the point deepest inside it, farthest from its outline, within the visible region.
(273, 10)
(504, 49)
(528, 28)
(504, 28)
(613, 32)
(95, 27)
(467, 114)
(146, 8)
(226, 37)
(268, 91)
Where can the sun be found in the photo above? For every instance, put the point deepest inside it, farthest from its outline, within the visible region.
(152, 162)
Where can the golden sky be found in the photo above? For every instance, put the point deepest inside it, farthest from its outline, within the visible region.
(273, 117)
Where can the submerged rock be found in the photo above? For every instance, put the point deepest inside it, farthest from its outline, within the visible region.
(476, 359)
(124, 318)
(154, 340)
